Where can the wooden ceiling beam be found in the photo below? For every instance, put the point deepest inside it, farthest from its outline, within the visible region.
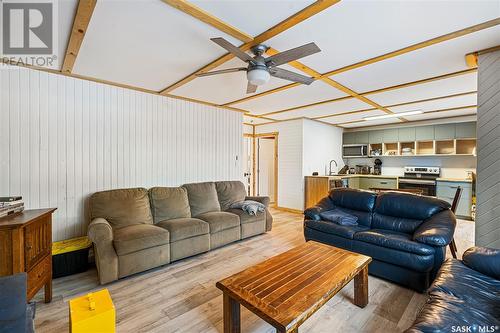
(80, 24)
(291, 21)
(209, 19)
(414, 47)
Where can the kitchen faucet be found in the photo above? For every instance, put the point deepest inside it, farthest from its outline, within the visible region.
(336, 166)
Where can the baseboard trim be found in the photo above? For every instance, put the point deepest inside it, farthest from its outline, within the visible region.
(290, 210)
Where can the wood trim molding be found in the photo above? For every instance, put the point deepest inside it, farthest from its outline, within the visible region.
(80, 24)
(289, 210)
(417, 46)
(209, 19)
(289, 22)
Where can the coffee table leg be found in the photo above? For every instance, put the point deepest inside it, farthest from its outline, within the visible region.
(361, 288)
(231, 315)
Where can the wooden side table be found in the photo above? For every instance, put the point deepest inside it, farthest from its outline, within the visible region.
(26, 246)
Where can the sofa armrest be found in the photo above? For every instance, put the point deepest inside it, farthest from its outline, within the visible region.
(313, 213)
(263, 200)
(100, 233)
(437, 230)
(484, 260)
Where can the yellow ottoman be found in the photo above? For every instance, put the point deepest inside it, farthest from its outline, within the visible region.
(94, 312)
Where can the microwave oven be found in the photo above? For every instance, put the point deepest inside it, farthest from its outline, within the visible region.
(355, 150)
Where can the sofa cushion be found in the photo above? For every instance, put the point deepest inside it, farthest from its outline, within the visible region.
(394, 240)
(353, 199)
(395, 223)
(247, 218)
(230, 192)
(202, 198)
(123, 207)
(169, 203)
(335, 229)
(138, 237)
(219, 221)
(409, 206)
(184, 228)
(340, 217)
(459, 297)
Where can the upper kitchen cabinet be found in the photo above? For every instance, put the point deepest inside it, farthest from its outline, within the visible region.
(376, 136)
(362, 137)
(349, 138)
(406, 134)
(444, 132)
(391, 135)
(465, 130)
(423, 133)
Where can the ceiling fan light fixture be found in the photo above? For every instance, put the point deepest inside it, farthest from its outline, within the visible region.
(258, 76)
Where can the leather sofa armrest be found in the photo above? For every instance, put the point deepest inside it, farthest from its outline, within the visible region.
(484, 260)
(313, 213)
(263, 200)
(100, 233)
(438, 230)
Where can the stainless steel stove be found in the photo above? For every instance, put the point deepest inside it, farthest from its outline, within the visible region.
(421, 178)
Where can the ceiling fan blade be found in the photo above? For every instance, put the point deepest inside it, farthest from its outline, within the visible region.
(222, 71)
(232, 49)
(290, 76)
(251, 88)
(292, 54)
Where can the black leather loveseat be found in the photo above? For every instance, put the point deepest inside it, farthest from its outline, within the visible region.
(465, 297)
(406, 235)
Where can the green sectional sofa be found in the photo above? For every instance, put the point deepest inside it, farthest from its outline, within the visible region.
(134, 229)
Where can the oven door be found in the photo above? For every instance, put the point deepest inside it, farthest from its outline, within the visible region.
(428, 187)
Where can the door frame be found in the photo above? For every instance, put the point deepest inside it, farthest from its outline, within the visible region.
(255, 136)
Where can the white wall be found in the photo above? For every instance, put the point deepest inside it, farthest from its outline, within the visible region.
(322, 143)
(290, 177)
(304, 146)
(62, 139)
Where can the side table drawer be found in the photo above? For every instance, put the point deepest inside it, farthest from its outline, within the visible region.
(39, 275)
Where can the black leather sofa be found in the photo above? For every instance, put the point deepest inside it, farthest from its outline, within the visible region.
(406, 235)
(465, 297)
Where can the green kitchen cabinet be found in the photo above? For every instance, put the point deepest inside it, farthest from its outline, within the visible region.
(444, 132)
(362, 137)
(445, 190)
(465, 130)
(376, 136)
(391, 135)
(354, 182)
(424, 133)
(406, 134)
(349, 138)
(366, 183)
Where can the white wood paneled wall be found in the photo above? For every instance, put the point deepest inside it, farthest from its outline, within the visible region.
(62, 139)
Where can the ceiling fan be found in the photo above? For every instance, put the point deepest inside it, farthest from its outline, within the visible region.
(260, 69)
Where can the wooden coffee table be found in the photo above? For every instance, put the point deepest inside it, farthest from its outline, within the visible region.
(287, 289)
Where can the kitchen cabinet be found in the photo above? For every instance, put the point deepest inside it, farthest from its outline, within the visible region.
(354, 182)
(349, 138)
(355, 138)
(391, 135)
(423, 133)
(446, 190)
(444, 132)
(362, 137)
(376, 136)
(316, 188)
(366, 183)
(406, 134)
(465, 130)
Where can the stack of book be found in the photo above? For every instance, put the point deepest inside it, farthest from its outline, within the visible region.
(11, 205)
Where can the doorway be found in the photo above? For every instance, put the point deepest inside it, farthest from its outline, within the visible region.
(266, 164)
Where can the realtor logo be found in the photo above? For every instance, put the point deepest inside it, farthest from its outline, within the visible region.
(27, 28)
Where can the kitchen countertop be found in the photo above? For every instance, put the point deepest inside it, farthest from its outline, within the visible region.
(355, 175)
(458, 180)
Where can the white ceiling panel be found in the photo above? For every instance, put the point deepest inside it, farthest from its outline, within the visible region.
(373, 123)
(346, 105)
(352, 31)
(439, 59)
(225, 88)
(450, 86)
(352, 117)
(289, 98)
(444, 114)
(438, 104)
(252, 16)
(146, 44)
(253, 120)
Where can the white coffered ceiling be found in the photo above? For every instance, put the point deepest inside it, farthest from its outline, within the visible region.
(151, 45)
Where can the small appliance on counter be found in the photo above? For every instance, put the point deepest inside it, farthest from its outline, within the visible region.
(377, 167)
(363, 169)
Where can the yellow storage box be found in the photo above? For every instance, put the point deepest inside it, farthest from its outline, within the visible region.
(94, 313)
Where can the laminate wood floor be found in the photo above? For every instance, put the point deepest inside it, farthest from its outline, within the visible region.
(182, 297)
